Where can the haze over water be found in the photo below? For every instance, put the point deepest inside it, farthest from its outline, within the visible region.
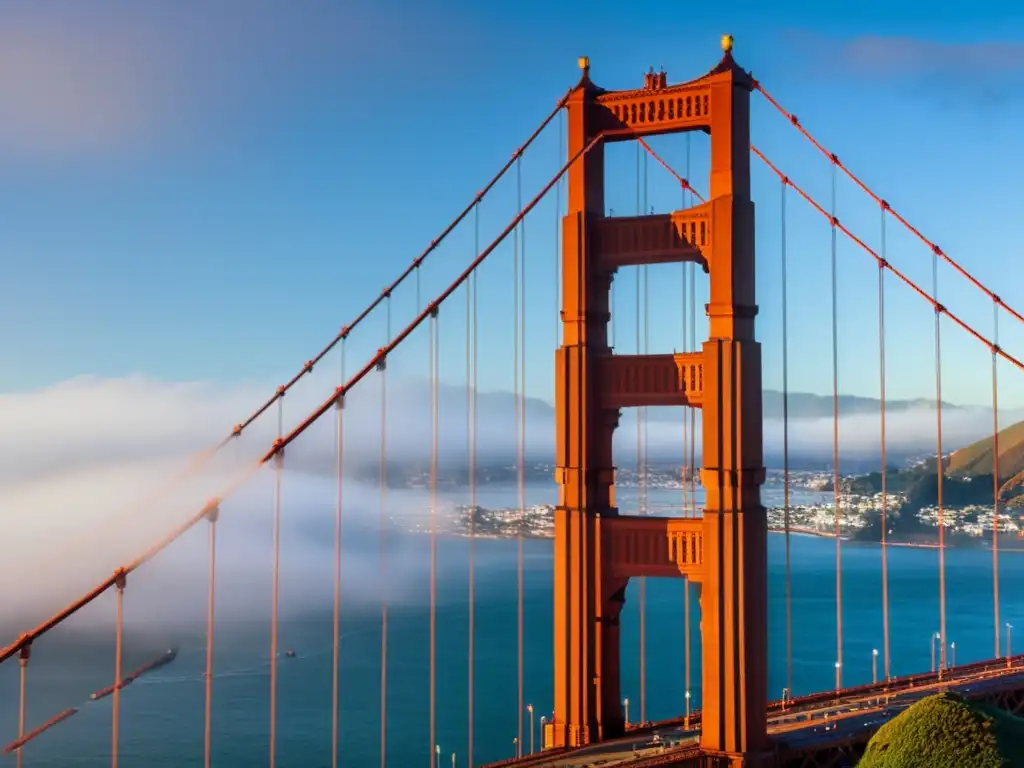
(162, 712)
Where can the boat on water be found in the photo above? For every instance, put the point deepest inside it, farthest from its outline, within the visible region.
(159, 661)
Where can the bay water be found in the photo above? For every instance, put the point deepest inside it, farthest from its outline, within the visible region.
(162, 712)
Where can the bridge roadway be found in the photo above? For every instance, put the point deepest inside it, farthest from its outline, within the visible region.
(804, 722)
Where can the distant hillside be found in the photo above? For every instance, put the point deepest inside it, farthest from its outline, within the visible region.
(803, 405)
(977, 459)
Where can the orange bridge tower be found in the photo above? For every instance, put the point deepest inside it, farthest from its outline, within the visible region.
(597, 551)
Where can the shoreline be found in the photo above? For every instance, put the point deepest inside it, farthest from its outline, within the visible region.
(906, 544)
(810, 532)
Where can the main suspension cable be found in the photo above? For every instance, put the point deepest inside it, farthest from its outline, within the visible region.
(835, 442)
(957, 320)
(245, 475)
(275, 587)
(785, 446)
(885, 468)
(434, 408)
(868, 191)
(995, 478)
(382, 543)
(339, 436)
(201, 459)
(940, 469)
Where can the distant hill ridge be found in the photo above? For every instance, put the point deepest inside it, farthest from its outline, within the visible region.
(802, 405)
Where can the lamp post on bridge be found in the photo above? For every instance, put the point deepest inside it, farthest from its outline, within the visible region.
(453, 760)
(529, 708)
(874, 665)
(686, 724)
(625, 702)
(952, 654)
(839, 675)
(437, 756)
(515, 747)
(1009, 627)
(935, 636)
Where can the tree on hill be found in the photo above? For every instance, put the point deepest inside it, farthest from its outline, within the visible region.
(946, 731)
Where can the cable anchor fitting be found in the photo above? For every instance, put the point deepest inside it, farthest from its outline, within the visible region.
(382, 359)
(120, 579)
(339, 398)
(212, 511)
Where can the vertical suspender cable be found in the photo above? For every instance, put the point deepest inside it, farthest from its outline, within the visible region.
(558, 241)
(471, 328)
(940, 470)
(691, 268)
(995, 477)
(785, 447)
(517, 302)
(686, 411)
(639, 462)
(434, 405)
(23, 657)
(382, 540)
(339, 437)
(275, 587)
(835, 439)
(118, 651)
(211, 516)
(684, 472)
(522, 449)
(885, 468)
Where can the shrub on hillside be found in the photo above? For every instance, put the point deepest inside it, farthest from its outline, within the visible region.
(945, 731)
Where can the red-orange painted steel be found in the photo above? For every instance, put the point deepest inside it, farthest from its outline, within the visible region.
(589, 592)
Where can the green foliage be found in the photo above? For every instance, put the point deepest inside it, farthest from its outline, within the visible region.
(945, 731)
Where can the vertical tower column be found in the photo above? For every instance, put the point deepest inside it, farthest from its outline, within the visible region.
(587, 600)
(734, 589)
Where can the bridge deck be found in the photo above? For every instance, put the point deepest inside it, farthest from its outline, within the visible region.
(812, 722)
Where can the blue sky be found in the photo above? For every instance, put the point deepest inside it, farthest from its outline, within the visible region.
(208, 198)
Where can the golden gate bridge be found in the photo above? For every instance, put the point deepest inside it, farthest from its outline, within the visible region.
(598, 549)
